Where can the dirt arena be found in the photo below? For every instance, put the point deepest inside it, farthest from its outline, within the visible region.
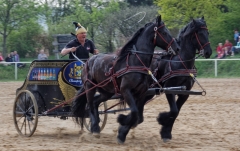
(210, 122)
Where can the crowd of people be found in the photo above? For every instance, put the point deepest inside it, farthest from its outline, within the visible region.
(228, 49)
(14, 57)
(11, 57)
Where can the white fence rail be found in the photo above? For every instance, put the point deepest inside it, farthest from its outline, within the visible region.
(216, 63)
(212, 60)
(15, 67)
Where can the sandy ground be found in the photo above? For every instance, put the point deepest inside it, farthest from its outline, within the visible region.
(210, 122)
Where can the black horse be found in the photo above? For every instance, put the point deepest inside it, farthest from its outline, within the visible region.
(173, 71)
(125, 73)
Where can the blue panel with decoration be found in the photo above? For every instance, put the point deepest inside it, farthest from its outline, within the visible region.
(46, 74)
(72, 73)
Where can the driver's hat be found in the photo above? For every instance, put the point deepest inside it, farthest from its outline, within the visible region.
(79, 28)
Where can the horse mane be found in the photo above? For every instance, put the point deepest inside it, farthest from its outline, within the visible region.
(132, 41)
(190, 28)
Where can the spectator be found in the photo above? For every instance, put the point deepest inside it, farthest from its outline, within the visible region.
(220, 51)
(8, 59)
(12, 56)
(227, 47)
(236, 36)
(17, 59)
(234, 48)
(1, 57)
(42, 55)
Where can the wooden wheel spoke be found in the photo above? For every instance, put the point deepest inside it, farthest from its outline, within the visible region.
(29, 126)
(20, 118)
(23, 124)
(20, 108)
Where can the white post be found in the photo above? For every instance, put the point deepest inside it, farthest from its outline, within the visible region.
(15, 70)
(215, 67)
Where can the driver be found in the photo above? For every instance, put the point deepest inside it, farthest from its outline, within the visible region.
(81, 46)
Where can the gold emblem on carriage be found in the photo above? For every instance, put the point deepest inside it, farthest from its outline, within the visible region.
(76, 71)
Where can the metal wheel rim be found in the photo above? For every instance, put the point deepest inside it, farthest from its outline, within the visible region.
(25, 113)
(103, 118)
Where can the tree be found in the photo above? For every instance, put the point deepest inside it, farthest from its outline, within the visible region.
(12, 14)
(178, 13)
(223, 28)
(117, 26)
(27, 39)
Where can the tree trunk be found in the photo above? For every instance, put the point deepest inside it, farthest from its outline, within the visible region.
(4, 45)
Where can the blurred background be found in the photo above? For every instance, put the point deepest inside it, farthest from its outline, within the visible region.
(27, 26)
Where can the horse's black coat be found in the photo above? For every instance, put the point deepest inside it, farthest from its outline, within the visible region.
(187, 39)
(131, 86)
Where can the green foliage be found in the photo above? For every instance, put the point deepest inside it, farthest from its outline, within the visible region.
(222, 16)
(179, 13)
(25, 39)
(13, 14)
(9, 73)
(223, 27)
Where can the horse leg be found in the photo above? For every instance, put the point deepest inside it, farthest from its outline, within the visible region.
(167, 118)
(93, 112)
(104, 96)
(127, 122)
(140, 105)
(167, 121)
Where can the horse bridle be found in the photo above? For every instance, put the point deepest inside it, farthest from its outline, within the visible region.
(169, 48)
(201, 50)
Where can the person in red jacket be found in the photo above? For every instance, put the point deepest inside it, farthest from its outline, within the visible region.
(227, 47)
(220, 51)
(1, 57)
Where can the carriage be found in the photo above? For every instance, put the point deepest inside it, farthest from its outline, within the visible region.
(48, 90)
(51, 85)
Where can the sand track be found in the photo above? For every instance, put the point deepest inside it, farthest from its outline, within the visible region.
(210, 122)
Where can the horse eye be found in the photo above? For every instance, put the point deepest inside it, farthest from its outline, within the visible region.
(164, 33)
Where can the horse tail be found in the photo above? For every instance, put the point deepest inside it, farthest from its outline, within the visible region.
(79, 106)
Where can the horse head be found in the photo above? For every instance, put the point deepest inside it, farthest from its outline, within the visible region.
(162, 37)
(197, 28)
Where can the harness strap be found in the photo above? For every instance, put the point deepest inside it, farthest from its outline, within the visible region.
(179, 72)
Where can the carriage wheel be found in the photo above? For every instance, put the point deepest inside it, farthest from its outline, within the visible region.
(103, 117)
(25, 113)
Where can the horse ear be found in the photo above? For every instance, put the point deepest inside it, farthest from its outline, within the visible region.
(159, 19)
(194, 23)
(202, 17)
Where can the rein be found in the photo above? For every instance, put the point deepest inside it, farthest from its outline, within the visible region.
(188, 72)
(200, 53)
(169, 48)
(201, 46)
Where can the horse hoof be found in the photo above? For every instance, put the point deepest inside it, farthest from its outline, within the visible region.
(97, 135)
(165, 140)
(120, 142)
